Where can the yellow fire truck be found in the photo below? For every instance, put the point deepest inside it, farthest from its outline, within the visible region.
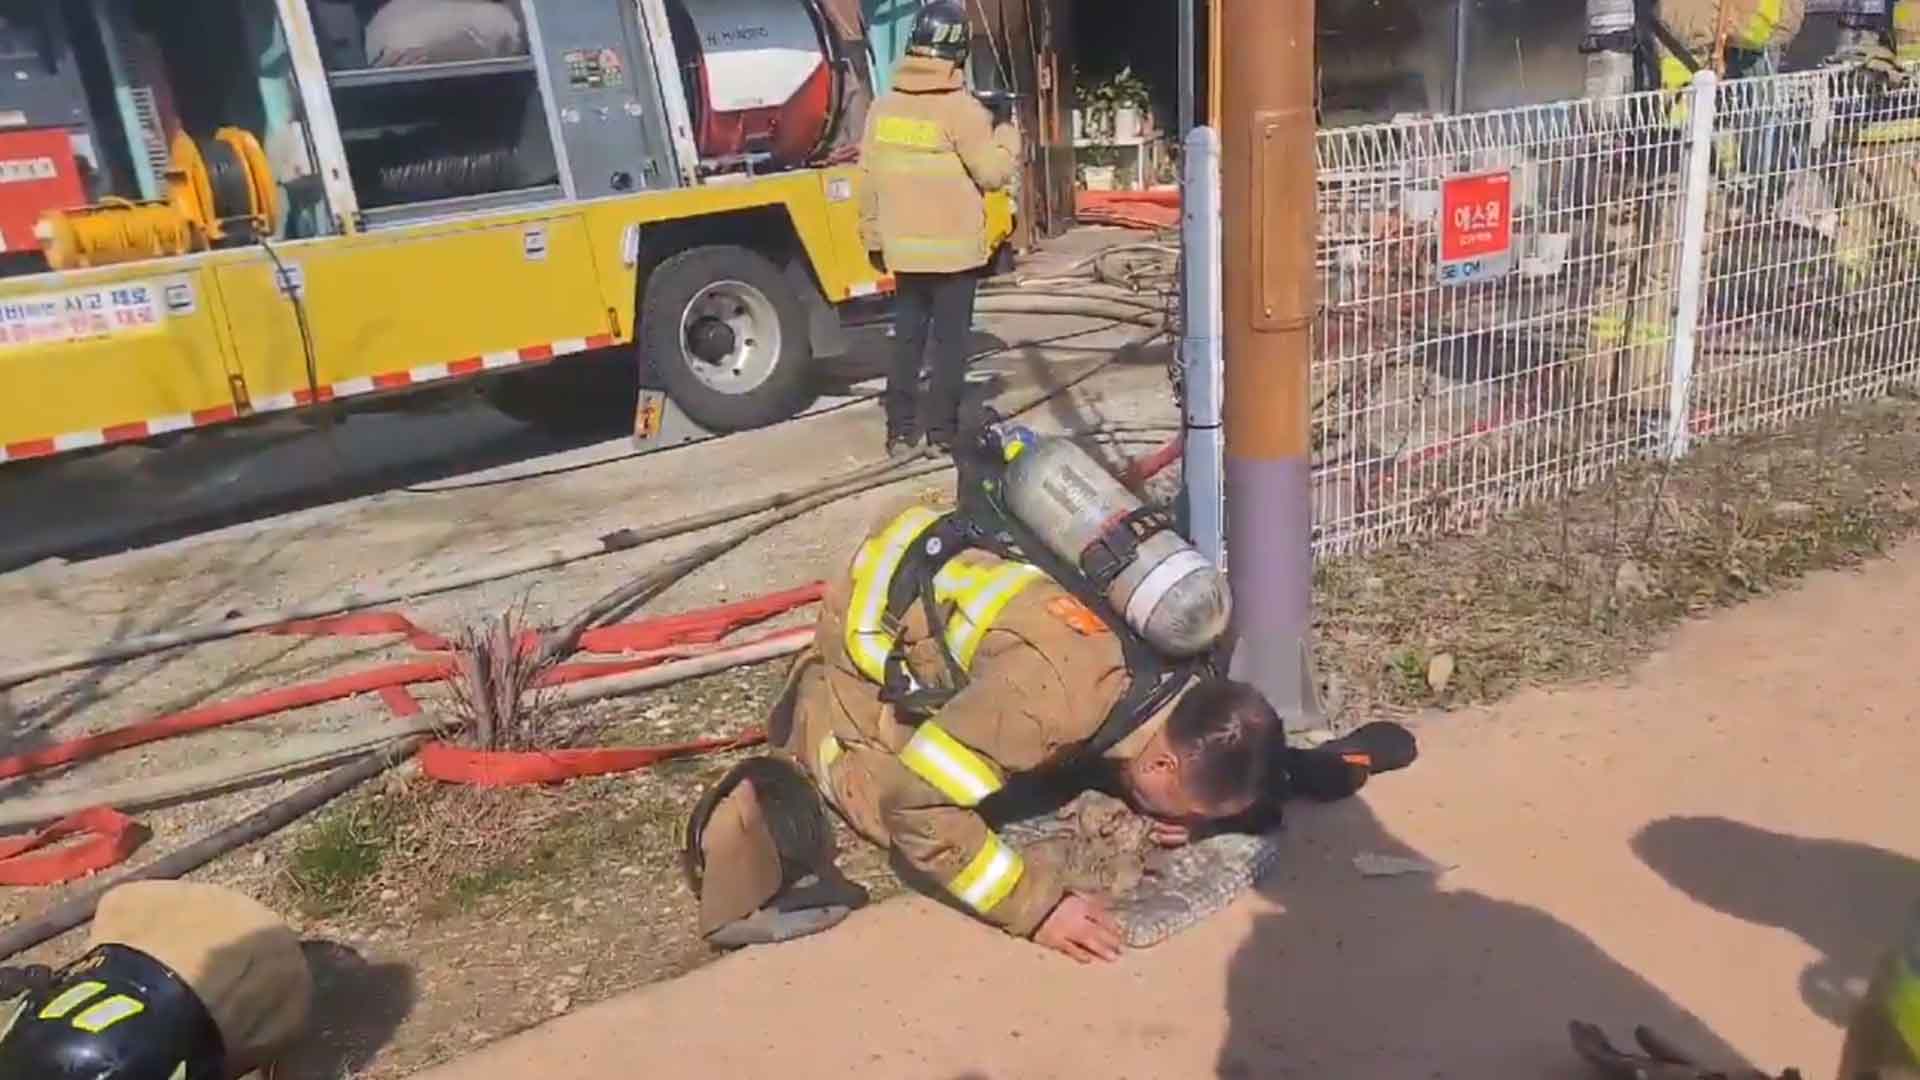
(212, 210)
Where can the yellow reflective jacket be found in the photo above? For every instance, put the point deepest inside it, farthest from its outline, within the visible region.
(1752, 25)
(931, 152)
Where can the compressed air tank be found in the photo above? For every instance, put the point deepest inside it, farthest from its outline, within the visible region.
(1169, 593)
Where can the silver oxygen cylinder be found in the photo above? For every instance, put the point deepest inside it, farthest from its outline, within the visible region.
(1170, 594)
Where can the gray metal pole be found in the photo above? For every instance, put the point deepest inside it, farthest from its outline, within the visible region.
(1462, 20)
(1189, 45)
(1202, 359)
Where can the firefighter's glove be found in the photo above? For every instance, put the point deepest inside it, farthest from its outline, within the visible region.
(878, 259)
(1659, 1059)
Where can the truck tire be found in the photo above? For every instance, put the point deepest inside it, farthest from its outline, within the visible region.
(724, 332)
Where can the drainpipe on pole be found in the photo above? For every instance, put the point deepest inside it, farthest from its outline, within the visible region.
(1203, 466)
(1462, 14)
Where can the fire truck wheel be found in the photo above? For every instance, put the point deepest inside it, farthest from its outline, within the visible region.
(728, 338)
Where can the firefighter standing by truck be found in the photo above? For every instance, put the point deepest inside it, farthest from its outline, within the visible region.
(931, 153)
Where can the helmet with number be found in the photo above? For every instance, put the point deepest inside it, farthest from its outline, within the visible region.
(182, 982)
(115, 1014)
(941, 31)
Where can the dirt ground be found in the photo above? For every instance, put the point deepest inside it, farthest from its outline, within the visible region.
(447, 919)
(1718, 847)
(443, 919)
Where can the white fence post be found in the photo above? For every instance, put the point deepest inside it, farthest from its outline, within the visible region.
(1693, 260)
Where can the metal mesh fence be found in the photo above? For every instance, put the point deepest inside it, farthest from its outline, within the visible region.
(1812, 285)
(1449, 388)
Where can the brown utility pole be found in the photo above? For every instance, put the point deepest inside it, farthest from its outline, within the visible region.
(1267, 141)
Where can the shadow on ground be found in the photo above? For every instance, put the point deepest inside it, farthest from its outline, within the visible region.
(1400, 977)
(1847, 901)
(357, 1007)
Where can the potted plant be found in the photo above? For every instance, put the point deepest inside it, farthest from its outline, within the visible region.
(1098, 168)
(1113, 107)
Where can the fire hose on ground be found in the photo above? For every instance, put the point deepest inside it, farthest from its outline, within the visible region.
(114, 837)
(846, 484)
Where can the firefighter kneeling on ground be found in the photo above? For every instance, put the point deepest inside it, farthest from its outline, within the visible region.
(964, 657)
(931, 153)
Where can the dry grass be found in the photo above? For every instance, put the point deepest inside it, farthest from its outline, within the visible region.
(1581, 588)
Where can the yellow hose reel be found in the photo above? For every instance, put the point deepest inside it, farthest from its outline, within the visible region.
(220, 191)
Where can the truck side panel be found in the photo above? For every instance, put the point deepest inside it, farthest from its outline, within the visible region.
(821, 205)
(111, 356)
(389, 310)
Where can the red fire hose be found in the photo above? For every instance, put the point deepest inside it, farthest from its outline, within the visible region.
(110, 837)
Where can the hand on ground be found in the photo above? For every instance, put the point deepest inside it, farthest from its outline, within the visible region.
(1082, 928)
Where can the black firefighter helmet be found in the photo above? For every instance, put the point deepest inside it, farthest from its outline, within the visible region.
(182, 981)
(941, 31)
(114, 1014)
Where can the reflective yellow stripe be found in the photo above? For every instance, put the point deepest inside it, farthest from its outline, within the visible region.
(1903, 1004)
(906, 131)
(1906, 31)
(937, 245)
(979, 596)
(71, 999)
(989, 877)
(1757, 32)
(1674, 73)
(869, 642)
(953, 770)
(99, 1018)
(1612, 330)
(1891, 131)
(915, 163)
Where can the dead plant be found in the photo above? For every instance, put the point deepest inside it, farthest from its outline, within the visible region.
(499, 665)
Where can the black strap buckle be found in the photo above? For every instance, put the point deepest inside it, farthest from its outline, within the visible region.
(1117, 547)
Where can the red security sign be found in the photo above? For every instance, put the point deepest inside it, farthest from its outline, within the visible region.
(1476, 224)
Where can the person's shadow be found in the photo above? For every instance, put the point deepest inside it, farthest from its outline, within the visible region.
(1397, 977)
(357, 1007)
(1847, 901)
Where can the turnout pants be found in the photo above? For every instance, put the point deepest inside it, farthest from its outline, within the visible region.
(933, 314)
